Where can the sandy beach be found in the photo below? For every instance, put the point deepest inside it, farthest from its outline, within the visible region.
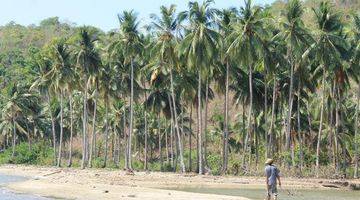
(94, 184)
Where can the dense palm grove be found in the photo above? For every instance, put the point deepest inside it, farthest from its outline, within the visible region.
(202, 90)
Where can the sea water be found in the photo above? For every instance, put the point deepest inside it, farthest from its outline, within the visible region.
(8, 195)
(284, 194)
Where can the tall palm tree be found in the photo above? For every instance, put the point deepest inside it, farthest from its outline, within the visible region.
(165, 51)
(245, 45)
(131, 43)
(87, 60)
(199, 47)
(355, 63)
(60, 73)
(328, 52)
(43, 84)
(297, 39)
(225, 29)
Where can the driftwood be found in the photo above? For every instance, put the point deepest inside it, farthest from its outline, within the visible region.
(52, 173)
(330, 186)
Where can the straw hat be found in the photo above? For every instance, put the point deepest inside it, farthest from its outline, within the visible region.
(269, 161)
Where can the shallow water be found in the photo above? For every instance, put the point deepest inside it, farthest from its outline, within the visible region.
(259, 194)
(7, 195)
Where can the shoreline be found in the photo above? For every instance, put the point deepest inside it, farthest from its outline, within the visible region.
(88, 184)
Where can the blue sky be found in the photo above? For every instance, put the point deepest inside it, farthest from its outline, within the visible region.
(99, 13)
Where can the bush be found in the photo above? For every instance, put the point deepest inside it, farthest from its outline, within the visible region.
(214, 162)
(40, 154)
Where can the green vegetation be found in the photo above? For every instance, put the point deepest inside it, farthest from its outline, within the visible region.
(201, 90)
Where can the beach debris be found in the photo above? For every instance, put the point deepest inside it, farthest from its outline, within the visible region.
(52, 173)
(130, 172)
(106, 191)
(330, 186)
(132, 195)
(354, 186)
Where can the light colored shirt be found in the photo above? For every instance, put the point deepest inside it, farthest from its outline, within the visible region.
(272, 172)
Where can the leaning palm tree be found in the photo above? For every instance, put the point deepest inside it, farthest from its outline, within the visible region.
(165, 51)
(245, 45)
(199, 48)
(19, 104)
(297, 40)
(87, 60)
(42, 84)
(328, 49)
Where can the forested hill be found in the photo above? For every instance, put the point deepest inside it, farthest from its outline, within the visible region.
(15, 38)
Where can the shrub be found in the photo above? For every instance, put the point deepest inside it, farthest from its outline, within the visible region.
(40, 154)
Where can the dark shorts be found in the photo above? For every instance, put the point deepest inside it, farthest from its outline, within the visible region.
(272, 190)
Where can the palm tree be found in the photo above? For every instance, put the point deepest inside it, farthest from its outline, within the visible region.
(165, 51)
(245, 45)
(131, 44)
(60, 73)
(43, 84)
(87, 60)
(225, 29)
(19, 104)
(328, 52)
(297, 39)
(355, 62)
(199, 48)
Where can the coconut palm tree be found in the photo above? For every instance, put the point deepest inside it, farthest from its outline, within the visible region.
(297, 40)
(225, 29)
(355, 62)
(165, 51)
(87, 60)
(59, 75)
(328, 52)
(245, 45)
(131, 44)
(43, 84)
(199, 48)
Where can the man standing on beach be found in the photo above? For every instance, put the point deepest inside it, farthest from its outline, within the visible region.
(272, 175)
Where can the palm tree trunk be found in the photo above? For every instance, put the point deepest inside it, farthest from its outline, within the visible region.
(200, 153)
(71, 131)
(205, 120)
(271, 134)
(93, 137)
(61, 129)
(190, 147)
(52, 126)
(249, 120)
(146, 142)
(337, 127)
(131, 116)
(83, 160)
(106, 131)
(226, 123)
(299, 129)
(125, 139)
(14, 139)
(182, 164)
(28, 135)
(356, 124)
(166, 142)
(159, 134)
(266, 114)
(172, 129)
(320, 126)
(288, 143)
